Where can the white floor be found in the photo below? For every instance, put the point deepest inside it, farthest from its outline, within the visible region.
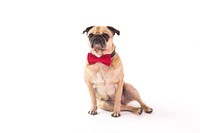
(43, 52)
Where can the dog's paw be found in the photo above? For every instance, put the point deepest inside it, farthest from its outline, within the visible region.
(92, 112)
(115, 114)
(148, 110)
(139, 111)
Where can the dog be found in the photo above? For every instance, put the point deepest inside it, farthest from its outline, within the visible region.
(103, 74)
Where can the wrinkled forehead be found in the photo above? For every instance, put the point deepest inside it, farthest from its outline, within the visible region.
(98, 30)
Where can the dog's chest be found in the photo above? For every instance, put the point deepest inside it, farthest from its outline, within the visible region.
(103, 84)
(105, 81)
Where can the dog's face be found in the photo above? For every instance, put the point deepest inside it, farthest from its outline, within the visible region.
(101, 39)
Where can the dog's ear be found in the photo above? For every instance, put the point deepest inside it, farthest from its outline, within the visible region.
(87, 29)
(113, 30)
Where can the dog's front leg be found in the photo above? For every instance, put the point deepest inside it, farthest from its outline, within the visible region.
(118, 95)
(93, 110)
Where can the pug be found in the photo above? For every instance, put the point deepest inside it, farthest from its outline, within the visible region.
(104, 75)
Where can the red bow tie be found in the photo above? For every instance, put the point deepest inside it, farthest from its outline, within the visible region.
(105, 59)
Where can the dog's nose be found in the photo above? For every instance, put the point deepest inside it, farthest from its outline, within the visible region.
(97, 41)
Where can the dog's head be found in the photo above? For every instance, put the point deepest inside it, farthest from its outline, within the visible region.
(101, 39)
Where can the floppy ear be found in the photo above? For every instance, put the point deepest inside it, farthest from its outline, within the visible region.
(87, 29)
(113, 30)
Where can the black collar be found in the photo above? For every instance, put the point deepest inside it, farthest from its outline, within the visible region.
(112, 54)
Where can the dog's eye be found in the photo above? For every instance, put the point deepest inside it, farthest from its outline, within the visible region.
(106, 36)
(90, 35)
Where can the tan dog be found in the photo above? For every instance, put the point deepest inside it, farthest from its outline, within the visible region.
(104, 75)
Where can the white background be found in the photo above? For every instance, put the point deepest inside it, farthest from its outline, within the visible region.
(43, 52)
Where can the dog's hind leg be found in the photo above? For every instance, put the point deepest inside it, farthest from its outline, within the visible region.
(109, 106)
(106, 105)
(130, 94)
(131, 109)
